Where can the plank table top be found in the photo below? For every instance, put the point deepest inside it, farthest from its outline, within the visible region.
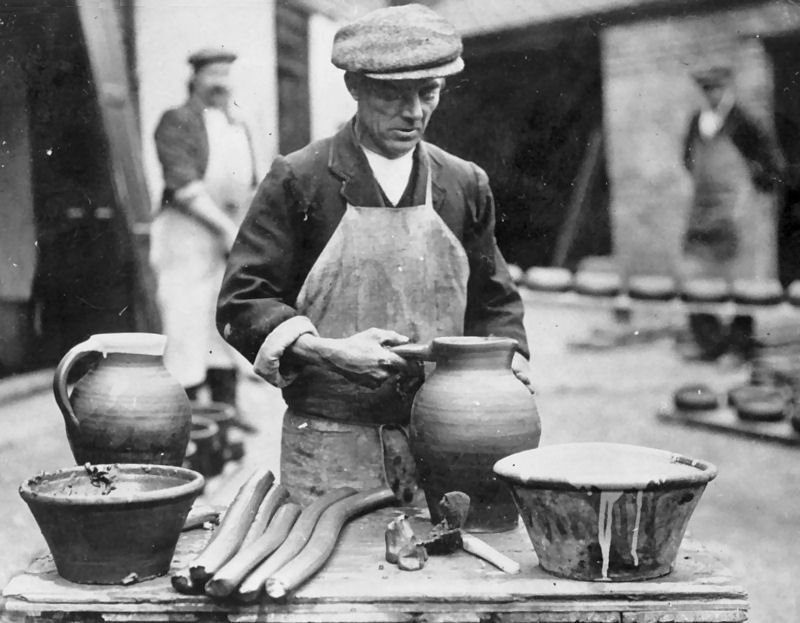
(358, 585)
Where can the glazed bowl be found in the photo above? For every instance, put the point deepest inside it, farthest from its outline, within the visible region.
(112, 524)
(604, 511)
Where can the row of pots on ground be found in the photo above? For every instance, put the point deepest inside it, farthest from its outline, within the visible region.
(655, 287)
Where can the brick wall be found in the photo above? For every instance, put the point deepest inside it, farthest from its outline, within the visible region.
(648, 100)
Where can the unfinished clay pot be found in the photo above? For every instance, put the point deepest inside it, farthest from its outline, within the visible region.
(757, 291)
(128, 408)
(652, 287)
(112, 524)
(760, 403)
(604, 511)
(470, 412)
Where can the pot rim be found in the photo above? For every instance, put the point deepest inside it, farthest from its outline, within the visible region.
(473, 343)
(703, 472)
(193, 485)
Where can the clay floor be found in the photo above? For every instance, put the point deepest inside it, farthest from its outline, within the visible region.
(750, 515)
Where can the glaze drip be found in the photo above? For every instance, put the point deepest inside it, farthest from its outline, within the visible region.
(635, 534)
(605, 516)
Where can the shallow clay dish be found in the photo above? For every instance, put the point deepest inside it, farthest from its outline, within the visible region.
(604, 511)
(705, 290)
(597, 283)
(651, 287)
(757, 291)
(548, 279)
(759, 402)
(111, 524)
(696, 397)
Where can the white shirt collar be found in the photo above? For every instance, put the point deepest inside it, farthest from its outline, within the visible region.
(391, 173)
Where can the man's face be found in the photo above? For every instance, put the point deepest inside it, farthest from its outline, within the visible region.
(393, 114)
(212, 83)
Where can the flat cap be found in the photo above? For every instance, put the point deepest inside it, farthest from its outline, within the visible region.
(210, 55)
(399, 43)
(713, 76)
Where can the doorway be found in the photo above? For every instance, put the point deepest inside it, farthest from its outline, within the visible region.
(785, 54)
(82, 279)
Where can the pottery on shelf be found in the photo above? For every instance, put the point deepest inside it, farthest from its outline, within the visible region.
(127, 408)
(470, 411)
(605, 511)
(112, 524)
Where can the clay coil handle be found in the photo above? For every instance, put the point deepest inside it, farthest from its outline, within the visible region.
(416, 352)
(60, 379)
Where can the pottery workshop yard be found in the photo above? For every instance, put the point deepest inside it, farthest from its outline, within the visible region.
(745, 519)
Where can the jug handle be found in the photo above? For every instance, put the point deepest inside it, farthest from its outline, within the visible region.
(417, 352)
(60, 379)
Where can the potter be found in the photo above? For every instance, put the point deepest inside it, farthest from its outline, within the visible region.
(365, 240)
(128, 408)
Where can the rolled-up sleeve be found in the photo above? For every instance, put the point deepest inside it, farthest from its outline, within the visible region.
(494, 306)
(261, 280)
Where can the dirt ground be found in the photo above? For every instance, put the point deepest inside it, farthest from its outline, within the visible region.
(749, 516)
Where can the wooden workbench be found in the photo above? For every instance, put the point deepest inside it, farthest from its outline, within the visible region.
(357, 585)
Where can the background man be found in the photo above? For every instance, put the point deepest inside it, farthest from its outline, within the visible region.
(209, 176)
(364, 240)
(736, 166)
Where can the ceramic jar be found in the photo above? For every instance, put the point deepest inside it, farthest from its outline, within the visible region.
(470, 412)
(127, 408)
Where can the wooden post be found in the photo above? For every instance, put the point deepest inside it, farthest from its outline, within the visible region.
(575, 211)
(104, 43)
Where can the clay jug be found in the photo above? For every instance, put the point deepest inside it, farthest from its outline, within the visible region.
(470, 412)
(128, 408)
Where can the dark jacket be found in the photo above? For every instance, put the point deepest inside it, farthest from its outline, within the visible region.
(758, 147)
(182, 145)
(298, 207)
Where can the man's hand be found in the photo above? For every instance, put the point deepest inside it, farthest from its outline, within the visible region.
(522, 370)
(362, 358)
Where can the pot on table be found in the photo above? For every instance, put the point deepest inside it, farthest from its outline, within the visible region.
(127, 408)
(597, 511)
(470, 412)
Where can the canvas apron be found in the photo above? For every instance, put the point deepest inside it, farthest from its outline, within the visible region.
(723, 194)
(390, 268)
(190, 260)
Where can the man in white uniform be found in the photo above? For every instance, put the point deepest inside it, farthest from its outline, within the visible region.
(209, 177)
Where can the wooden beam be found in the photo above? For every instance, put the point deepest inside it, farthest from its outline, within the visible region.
(104, 43)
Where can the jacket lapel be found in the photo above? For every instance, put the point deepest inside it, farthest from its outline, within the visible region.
(359, 188)
(438, 192)
(349, 164)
